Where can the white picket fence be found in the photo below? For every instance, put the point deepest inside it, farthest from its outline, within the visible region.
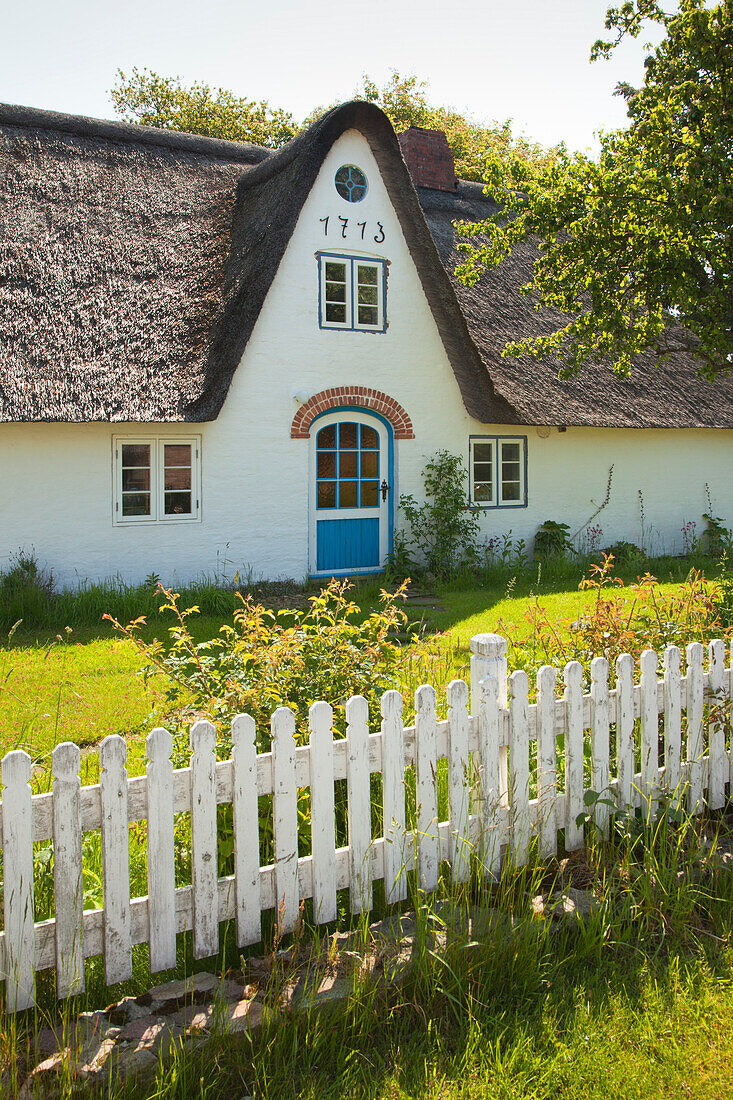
(487, 742)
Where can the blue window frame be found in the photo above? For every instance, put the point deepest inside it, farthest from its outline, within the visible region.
(352, 292)
(351, 183)
(498, 471)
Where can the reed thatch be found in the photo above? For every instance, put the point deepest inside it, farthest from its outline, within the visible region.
(134, 263)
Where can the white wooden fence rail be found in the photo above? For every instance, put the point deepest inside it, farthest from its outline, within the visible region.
(490, 812)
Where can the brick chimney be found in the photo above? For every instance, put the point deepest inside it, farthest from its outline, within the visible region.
(429, 158)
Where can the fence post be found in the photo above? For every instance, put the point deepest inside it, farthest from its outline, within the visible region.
(488, 659)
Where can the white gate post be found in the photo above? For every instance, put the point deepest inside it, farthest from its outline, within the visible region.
(488, 658)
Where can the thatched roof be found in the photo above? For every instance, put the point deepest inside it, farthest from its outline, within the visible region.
(671, 395)
(134, 263)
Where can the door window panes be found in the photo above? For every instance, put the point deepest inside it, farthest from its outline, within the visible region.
(347, 466)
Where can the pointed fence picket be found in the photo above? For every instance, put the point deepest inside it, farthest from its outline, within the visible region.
(480, 756)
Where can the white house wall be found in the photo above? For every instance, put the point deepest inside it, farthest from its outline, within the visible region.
(56, 490)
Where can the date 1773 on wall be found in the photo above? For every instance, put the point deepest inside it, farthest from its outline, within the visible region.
(349, 229)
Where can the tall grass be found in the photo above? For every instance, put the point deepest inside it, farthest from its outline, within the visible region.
(29, 593)
(633, 1001)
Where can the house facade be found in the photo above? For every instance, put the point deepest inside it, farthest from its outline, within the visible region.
(218, 358)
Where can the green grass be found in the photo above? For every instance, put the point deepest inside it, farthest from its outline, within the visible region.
(71, 691)
(635, 1003)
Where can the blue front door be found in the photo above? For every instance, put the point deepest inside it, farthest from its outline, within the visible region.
(350, 511)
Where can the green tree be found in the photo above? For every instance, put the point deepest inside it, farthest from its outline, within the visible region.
(404, 100)
(636, 247)
(153, 100)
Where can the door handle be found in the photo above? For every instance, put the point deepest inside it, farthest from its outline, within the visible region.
(385, 489)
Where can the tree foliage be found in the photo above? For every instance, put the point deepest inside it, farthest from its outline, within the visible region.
(637, 246)
(152, 100)
(404, 100)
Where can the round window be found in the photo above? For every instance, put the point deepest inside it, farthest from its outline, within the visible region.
(351, 183)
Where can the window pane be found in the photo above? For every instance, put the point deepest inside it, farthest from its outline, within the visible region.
(369, 463)
(347, 494)
(483, 452)
(177, 504)
(369, 494)
(482, 471)
(335, 292)
(369, 438)
(178, 454)
(336, 314)
(510, 452)
(350, 182)
(368, 315)
(347, 436)
(368, 295)
(347, 464)
(326, 464)
(335, 272)
(136, 504)
(510, 490)
(482, 492)
(327, 436)
(136, 477)
(367, 274)
(178, 477)
(135, 454)
(326, 494)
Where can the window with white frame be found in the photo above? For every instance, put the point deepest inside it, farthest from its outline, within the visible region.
(352, 292)
(498, 471)
(156, 479)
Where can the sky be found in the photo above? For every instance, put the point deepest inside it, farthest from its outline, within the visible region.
(521, 59)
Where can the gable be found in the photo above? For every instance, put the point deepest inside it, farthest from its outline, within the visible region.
(269, 203)
(381, 335)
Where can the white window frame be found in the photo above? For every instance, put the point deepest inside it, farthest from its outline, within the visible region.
(157, 475)
(351, 261)
(497, 444)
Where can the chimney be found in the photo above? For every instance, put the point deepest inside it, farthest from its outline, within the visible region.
(429, 158)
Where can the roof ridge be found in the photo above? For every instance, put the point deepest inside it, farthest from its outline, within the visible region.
(83, 126)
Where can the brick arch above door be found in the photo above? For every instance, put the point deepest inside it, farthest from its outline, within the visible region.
(360, 397)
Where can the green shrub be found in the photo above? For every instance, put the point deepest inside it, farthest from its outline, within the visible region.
(26, 591)
(552, 540)
(717, 538)
(626, 554)
(444, 530)
(265, 659)
(621, 619)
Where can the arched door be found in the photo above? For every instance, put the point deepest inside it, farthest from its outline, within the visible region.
(351, 493)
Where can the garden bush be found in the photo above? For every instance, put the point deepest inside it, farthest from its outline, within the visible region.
(621, 619)
(265, 659)
(444, 529)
